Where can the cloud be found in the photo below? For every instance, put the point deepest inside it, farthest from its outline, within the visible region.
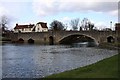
(65, 19)
(3, 11)
(53, 7)
(100, 25)
(114, 13)
(15, 0)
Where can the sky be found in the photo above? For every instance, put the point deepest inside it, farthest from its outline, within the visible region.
(99, 12)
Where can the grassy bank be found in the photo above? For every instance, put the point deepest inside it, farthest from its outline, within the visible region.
(107, 68)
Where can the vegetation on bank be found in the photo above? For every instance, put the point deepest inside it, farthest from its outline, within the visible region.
(107, 68)
(110, 45)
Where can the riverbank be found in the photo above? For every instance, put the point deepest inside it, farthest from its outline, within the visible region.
(111, 46)
(91, 70)
(107, 68)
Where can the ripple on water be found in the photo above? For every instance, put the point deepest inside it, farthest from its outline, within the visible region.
(39, 61)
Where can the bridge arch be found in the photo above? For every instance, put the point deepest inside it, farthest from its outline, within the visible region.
(76, 36)
(110, 39)
(31, 40)
(20, 40)
(51, 40)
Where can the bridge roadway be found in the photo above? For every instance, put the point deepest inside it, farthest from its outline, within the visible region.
(56, 36)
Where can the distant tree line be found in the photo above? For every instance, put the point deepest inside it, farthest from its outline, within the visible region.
(57, 25)
(76, 25)
(86, 24)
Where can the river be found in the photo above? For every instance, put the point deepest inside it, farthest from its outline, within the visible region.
(37, 61)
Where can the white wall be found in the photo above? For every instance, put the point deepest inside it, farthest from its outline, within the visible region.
(23, 30)
(40, 29)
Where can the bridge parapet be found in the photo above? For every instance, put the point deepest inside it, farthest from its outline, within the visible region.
(44, 37)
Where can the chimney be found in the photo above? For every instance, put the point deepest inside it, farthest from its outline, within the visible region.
(16, 24)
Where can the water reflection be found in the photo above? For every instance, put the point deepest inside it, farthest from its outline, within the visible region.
(35, 61)
(84, 44)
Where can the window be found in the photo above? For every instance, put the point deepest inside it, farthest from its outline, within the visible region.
(38, 29)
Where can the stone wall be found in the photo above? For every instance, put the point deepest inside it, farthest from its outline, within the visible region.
(44, 37)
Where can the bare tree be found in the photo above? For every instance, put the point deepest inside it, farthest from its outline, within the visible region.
(86, 24)
(90, 26)
(57, 25)
(74, 23)
(4, 21)
(66, 26)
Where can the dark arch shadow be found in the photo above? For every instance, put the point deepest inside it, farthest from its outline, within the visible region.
(51, 40)
(31, 41)
(110, 39)
(77, 38)
(20, 40)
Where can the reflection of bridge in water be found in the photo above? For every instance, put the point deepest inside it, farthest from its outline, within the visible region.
(61, 37)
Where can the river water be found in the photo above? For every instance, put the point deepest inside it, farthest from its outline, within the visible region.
(36, 61)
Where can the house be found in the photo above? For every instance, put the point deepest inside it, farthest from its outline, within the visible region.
(39, 27)
(23, 28)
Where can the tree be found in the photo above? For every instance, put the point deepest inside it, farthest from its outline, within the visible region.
(66, 26)
(74, 23)
(90, 26)
(86, 24)
(57, 25)
(80, 28)
(4, 21)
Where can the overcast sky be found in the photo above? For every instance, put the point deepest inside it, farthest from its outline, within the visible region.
(100, 12)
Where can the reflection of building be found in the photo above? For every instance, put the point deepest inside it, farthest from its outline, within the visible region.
(39, 27)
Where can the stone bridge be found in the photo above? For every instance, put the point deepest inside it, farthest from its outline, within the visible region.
(57, 37)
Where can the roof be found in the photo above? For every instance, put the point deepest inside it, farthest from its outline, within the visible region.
(117, 23)
(44, 25)
(23, 26)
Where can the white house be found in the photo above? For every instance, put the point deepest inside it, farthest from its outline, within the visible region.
(23, 28)
(39, 27)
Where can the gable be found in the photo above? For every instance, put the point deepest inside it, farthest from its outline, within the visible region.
(43, 25)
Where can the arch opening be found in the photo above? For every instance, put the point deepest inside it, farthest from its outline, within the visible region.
(21, 40)
(30, 41)
(110, 39)
(78, 39)
(51, 40)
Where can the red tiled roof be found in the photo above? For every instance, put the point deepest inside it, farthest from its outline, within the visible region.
(44, 25)
(23, 26)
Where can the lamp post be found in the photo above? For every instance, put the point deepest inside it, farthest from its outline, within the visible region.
(111, 25)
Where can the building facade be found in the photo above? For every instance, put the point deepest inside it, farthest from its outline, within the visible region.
(39, 27)
(117, 29)
(23, 28)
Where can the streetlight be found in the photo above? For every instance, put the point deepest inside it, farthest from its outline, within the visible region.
(111, 25)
